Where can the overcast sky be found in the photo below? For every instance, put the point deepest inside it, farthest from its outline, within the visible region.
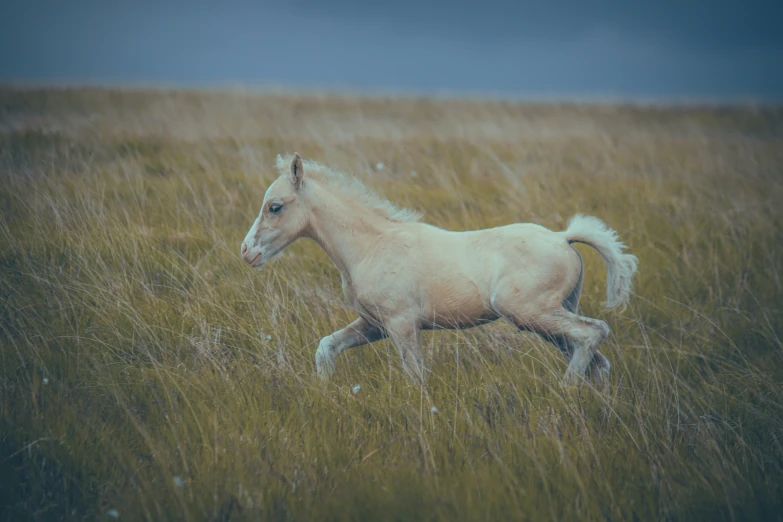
(686, 49)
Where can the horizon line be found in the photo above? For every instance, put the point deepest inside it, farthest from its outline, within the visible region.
(456, 94)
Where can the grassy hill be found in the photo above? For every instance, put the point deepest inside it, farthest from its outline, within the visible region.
(147, 372)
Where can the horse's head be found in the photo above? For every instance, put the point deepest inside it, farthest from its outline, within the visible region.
(282, 219)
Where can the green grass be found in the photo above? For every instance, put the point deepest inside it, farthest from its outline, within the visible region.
(145, 368)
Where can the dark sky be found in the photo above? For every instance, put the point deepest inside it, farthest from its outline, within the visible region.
(687, 49)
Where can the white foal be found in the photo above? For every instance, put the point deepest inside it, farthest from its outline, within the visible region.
(402, 276)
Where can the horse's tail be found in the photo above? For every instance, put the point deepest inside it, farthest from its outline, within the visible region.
(620, 267)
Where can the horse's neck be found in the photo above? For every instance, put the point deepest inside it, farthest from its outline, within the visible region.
(343, 229)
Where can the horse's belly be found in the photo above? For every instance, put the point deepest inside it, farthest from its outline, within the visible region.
(458, 322)
(451, 307)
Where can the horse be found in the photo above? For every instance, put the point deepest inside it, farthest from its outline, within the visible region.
(402, 276)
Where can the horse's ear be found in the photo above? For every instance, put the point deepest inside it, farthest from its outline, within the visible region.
(297, 171)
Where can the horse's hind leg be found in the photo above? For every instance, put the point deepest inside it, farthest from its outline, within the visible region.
(574, 334)
(582, 334)
(598, 369)
(570, 303)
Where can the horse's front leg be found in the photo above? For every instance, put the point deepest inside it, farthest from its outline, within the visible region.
(405, 334)
(355, 334)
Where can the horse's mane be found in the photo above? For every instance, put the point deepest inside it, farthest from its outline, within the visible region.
(353, 188)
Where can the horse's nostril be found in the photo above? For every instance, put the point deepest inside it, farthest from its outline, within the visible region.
(244, 249)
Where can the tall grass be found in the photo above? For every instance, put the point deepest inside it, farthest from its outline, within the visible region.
(148, 373)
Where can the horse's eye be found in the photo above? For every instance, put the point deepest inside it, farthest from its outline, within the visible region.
(275, 208)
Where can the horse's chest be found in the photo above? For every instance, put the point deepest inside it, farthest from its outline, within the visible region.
(349, 293)
(360, 303)
(350, 296)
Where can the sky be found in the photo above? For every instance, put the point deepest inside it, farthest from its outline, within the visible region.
(686, 50)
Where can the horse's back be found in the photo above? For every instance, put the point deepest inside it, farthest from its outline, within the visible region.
(477, 252)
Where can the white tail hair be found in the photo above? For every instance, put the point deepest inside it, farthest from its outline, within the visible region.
(620, 267)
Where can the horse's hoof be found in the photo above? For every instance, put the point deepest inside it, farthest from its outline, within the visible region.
(600, 376)
(570, 379)
(324, 360)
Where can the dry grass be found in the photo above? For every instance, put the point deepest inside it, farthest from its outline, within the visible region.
(146, 369)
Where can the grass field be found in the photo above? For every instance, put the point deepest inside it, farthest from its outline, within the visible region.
(147, 372)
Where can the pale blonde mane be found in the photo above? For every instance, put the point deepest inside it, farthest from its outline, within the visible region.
(352, 187)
